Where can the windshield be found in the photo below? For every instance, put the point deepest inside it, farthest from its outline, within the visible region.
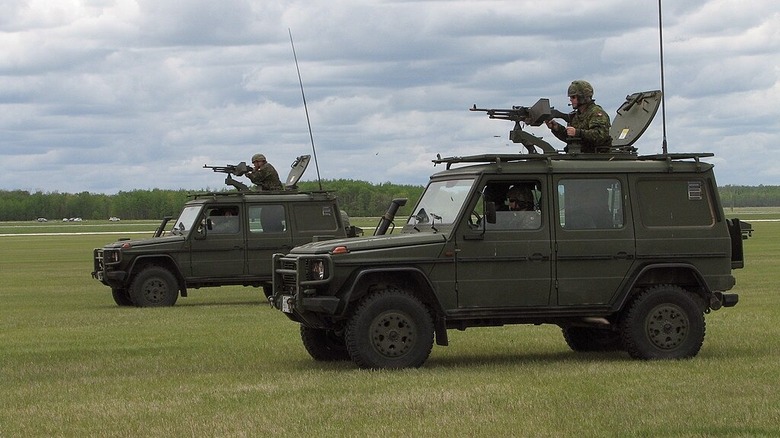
(441, 202)
(184, 223)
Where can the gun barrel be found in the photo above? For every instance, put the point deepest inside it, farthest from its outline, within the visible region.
(222, 169)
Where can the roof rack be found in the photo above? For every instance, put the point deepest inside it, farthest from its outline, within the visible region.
(507, 158)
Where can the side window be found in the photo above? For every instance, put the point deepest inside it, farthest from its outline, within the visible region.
(518, 204)
(267, 219)
(675, 203)
(224, 220)
(315, 217)
(590, 204)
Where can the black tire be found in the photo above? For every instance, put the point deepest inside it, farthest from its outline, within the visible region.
(121, 297)
(390, 329)
(584, 339)
(154, 287)
(663, 322)
(324, 345)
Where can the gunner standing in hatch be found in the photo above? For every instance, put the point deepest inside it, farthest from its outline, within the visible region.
(590, 123)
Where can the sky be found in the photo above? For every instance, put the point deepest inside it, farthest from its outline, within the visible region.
(105, 96)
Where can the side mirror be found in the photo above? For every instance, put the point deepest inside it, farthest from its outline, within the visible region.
(199, 233)
(490, 212)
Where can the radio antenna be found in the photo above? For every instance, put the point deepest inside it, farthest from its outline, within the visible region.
(663, 91)
(306, 108)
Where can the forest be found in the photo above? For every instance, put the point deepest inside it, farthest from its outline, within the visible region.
(358, 198)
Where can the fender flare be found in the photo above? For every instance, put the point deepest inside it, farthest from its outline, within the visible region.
(428, 295)
(625, 293)
(176, 271)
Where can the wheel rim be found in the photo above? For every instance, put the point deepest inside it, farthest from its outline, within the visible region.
(392, 334)
(155, 290)
(667, 326)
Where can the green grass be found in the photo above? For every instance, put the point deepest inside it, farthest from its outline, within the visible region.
(222, 363)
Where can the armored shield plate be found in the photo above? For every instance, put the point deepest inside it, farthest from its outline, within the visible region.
(633, 117)
(298, 167)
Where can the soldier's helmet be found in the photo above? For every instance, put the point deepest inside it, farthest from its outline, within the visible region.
(583, 90)
(522, 195)
(258, 157)
(520, 192)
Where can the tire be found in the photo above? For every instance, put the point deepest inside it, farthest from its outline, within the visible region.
(584, 339)
(121, 297)
(154, 287)
(390, 329)
(324, 345)
(663, 322)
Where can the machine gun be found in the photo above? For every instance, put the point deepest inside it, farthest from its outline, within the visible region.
(539, 113)
(239, 169)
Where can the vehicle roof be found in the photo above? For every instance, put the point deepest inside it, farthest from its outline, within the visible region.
(572, 164)
(261, 197)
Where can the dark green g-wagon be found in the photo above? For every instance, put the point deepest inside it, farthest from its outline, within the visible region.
(623, 252)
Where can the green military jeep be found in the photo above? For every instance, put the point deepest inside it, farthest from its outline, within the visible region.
(623, 252)
(218, 239)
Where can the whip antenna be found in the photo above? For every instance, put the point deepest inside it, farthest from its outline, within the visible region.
(663, 91)
(306, 109)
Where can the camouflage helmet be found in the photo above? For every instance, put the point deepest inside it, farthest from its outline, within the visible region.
(583, 90)
(520, 192)
(258, 157)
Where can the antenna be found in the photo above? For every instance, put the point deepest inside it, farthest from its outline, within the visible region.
(663, 91)
(306, 108)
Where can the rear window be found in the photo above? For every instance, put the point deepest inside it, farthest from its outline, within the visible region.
(683, 202)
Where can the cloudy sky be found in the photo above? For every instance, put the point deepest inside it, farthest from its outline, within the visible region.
(111, 95)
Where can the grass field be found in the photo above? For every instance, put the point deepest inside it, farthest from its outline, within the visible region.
(222, 363)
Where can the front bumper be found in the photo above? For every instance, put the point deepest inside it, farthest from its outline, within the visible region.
(295, 289)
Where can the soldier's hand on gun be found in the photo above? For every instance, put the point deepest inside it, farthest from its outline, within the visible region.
(551, 123)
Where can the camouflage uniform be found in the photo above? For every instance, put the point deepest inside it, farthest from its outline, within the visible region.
(590, 120)
(266, 177)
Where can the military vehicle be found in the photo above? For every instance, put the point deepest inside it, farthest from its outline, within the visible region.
(622, 251)
(224, 238)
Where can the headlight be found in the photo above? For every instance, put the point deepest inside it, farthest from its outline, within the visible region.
(111, 256)
(316, 270)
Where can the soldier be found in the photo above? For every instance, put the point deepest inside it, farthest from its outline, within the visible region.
(264, 176)
(590, 123)
(522, 207)
(520, 198)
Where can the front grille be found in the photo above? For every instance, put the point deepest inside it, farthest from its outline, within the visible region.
(286, 273)
(98, 259)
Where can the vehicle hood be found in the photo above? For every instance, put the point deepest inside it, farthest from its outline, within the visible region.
(135, 243)
(357, 244)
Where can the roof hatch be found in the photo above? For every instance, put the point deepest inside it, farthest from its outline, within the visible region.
(633, 117)
(298, 167)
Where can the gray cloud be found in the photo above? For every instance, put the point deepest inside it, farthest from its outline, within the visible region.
(111, 95)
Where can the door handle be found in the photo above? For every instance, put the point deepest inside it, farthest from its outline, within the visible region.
(622, 255)
(537, 257)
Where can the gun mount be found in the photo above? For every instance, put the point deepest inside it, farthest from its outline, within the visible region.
(632, 119)
(535, 115)
(241, 169)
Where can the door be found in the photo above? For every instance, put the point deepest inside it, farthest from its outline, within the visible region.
(220, 251)
(268, 233)
(507, 263)
(594, 239)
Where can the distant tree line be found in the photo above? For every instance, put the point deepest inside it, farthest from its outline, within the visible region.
(358, 198)
(750, 196)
